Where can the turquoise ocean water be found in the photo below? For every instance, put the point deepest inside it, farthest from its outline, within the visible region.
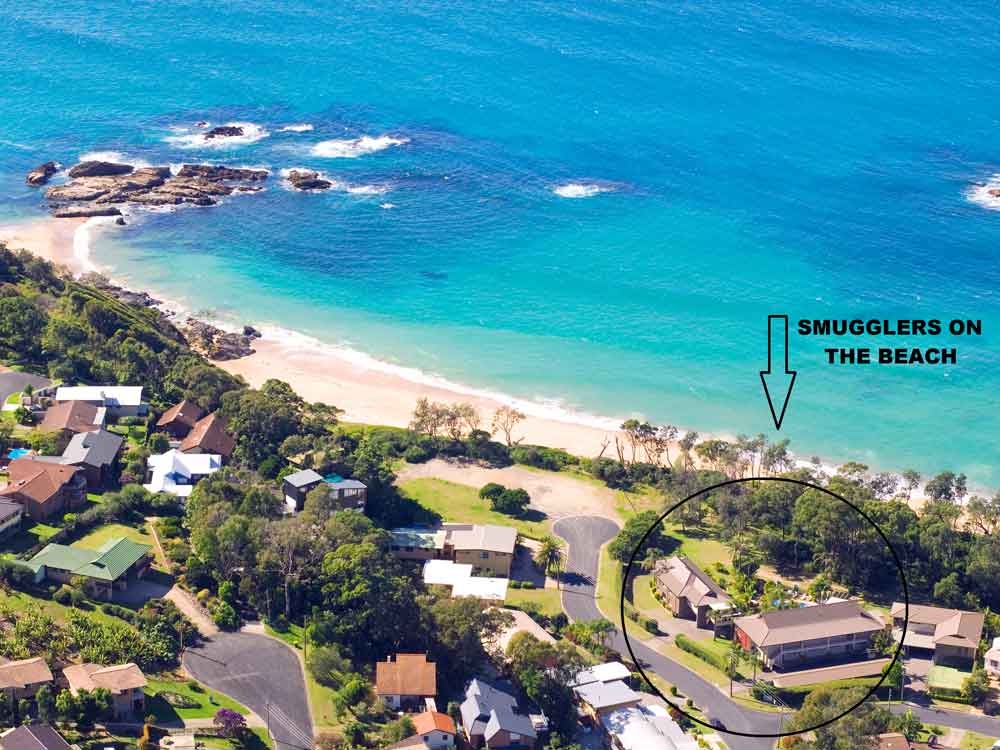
(811, 158)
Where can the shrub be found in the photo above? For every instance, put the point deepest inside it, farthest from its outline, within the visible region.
(527, 584)
(419, 453)
(553, 459)
(514, 584)
(270, 467)
(511, 502)
(64, 595)
(491, 491)
(649, 625)
(225, 616)
(693, 647)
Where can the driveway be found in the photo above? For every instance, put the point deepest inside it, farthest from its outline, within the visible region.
(263, 674)
(14, 382)
(585, 535)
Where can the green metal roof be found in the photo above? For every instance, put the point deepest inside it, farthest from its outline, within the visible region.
(108, 563)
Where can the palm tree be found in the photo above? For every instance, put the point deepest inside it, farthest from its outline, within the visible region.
(549, 555)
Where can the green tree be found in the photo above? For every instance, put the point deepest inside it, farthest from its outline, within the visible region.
(976, 686)
(46, 704)
(627, 541)
(512, 502)
(21, 326)
(549, 554)
(158, 443)
(355, 690)
(327, 666)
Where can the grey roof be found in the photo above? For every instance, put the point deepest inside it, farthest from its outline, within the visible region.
(487, 710)
(346, 484)
(33, 737)
(303, 478)
(9, 510)
(93, 448)
(606, 694)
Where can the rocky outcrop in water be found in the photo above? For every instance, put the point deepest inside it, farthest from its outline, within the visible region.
(214, 343)
(306, 180)
(99, 169)
(224, 131)
(41, 174)
(94, 185)
(995, 192)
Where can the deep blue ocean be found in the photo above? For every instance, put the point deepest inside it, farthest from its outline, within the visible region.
(594, 204)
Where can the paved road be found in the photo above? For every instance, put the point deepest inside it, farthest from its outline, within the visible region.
(972, 722)
(263, 674)
(13, 382)
(585, 535)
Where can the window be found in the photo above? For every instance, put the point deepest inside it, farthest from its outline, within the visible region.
(484, 555)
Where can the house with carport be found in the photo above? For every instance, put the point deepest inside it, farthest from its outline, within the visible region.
(949, 637)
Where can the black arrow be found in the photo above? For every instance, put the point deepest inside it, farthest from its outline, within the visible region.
(778, 383)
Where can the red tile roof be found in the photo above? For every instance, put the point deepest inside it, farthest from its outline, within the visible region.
(210, 436)
(39, 481)
(409, 674)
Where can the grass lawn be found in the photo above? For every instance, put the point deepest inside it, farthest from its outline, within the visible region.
(31, 533)
(548, 600)
(104, 533)
(136, 434)
(948, 678)
(209, 701)
(973, 741)
(609, 595)
(257, 742)
(643, 599)
(461, 503)
(701, 547)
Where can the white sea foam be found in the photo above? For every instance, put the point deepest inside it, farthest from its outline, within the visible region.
(251, 134)
(82, 236)
(386, 205)
(116, 157)
(300, 127)
(580, 189)
(981, 194)
(351, 148)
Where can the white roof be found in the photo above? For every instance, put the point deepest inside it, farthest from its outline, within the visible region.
(463, 583)
(445, 572)
(606, 694)
(175, 472)
(639, 729)
(488, 589)
(109, 395)
(608, 672)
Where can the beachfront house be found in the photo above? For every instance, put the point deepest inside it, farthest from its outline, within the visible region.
(32, 737)
(118, 400)
(71, 417)
(487, 548)
(11, 514)
(805, 636)
(180, 419)
(348, 494)
(688, 591)
(210, 435)
(125, 682)
(44, 489)
(94, 453)
(949, 636)
(177, 473)
(405, 681)
(22, 678)
(109, 568)
(492, 719)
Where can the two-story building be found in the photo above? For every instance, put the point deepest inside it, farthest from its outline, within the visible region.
(949, 636)
(487, 548)
(688, 591)
(803, 636)
(125, 682)
(492, 719)
(347, 494)
(44, 489)
(117, 400)
(22, 678)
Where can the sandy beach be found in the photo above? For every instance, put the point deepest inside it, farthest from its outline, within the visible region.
(365, 394)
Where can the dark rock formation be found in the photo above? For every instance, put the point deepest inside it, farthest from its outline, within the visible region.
(306, 180)
(195, 184)
(213, 172)
(215, 343)
(251, 332)
(84, 210)
(224, 131)
(99, 169)
(41, 174)
(995, 192)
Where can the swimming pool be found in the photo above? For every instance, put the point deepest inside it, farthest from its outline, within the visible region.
(17, 453)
